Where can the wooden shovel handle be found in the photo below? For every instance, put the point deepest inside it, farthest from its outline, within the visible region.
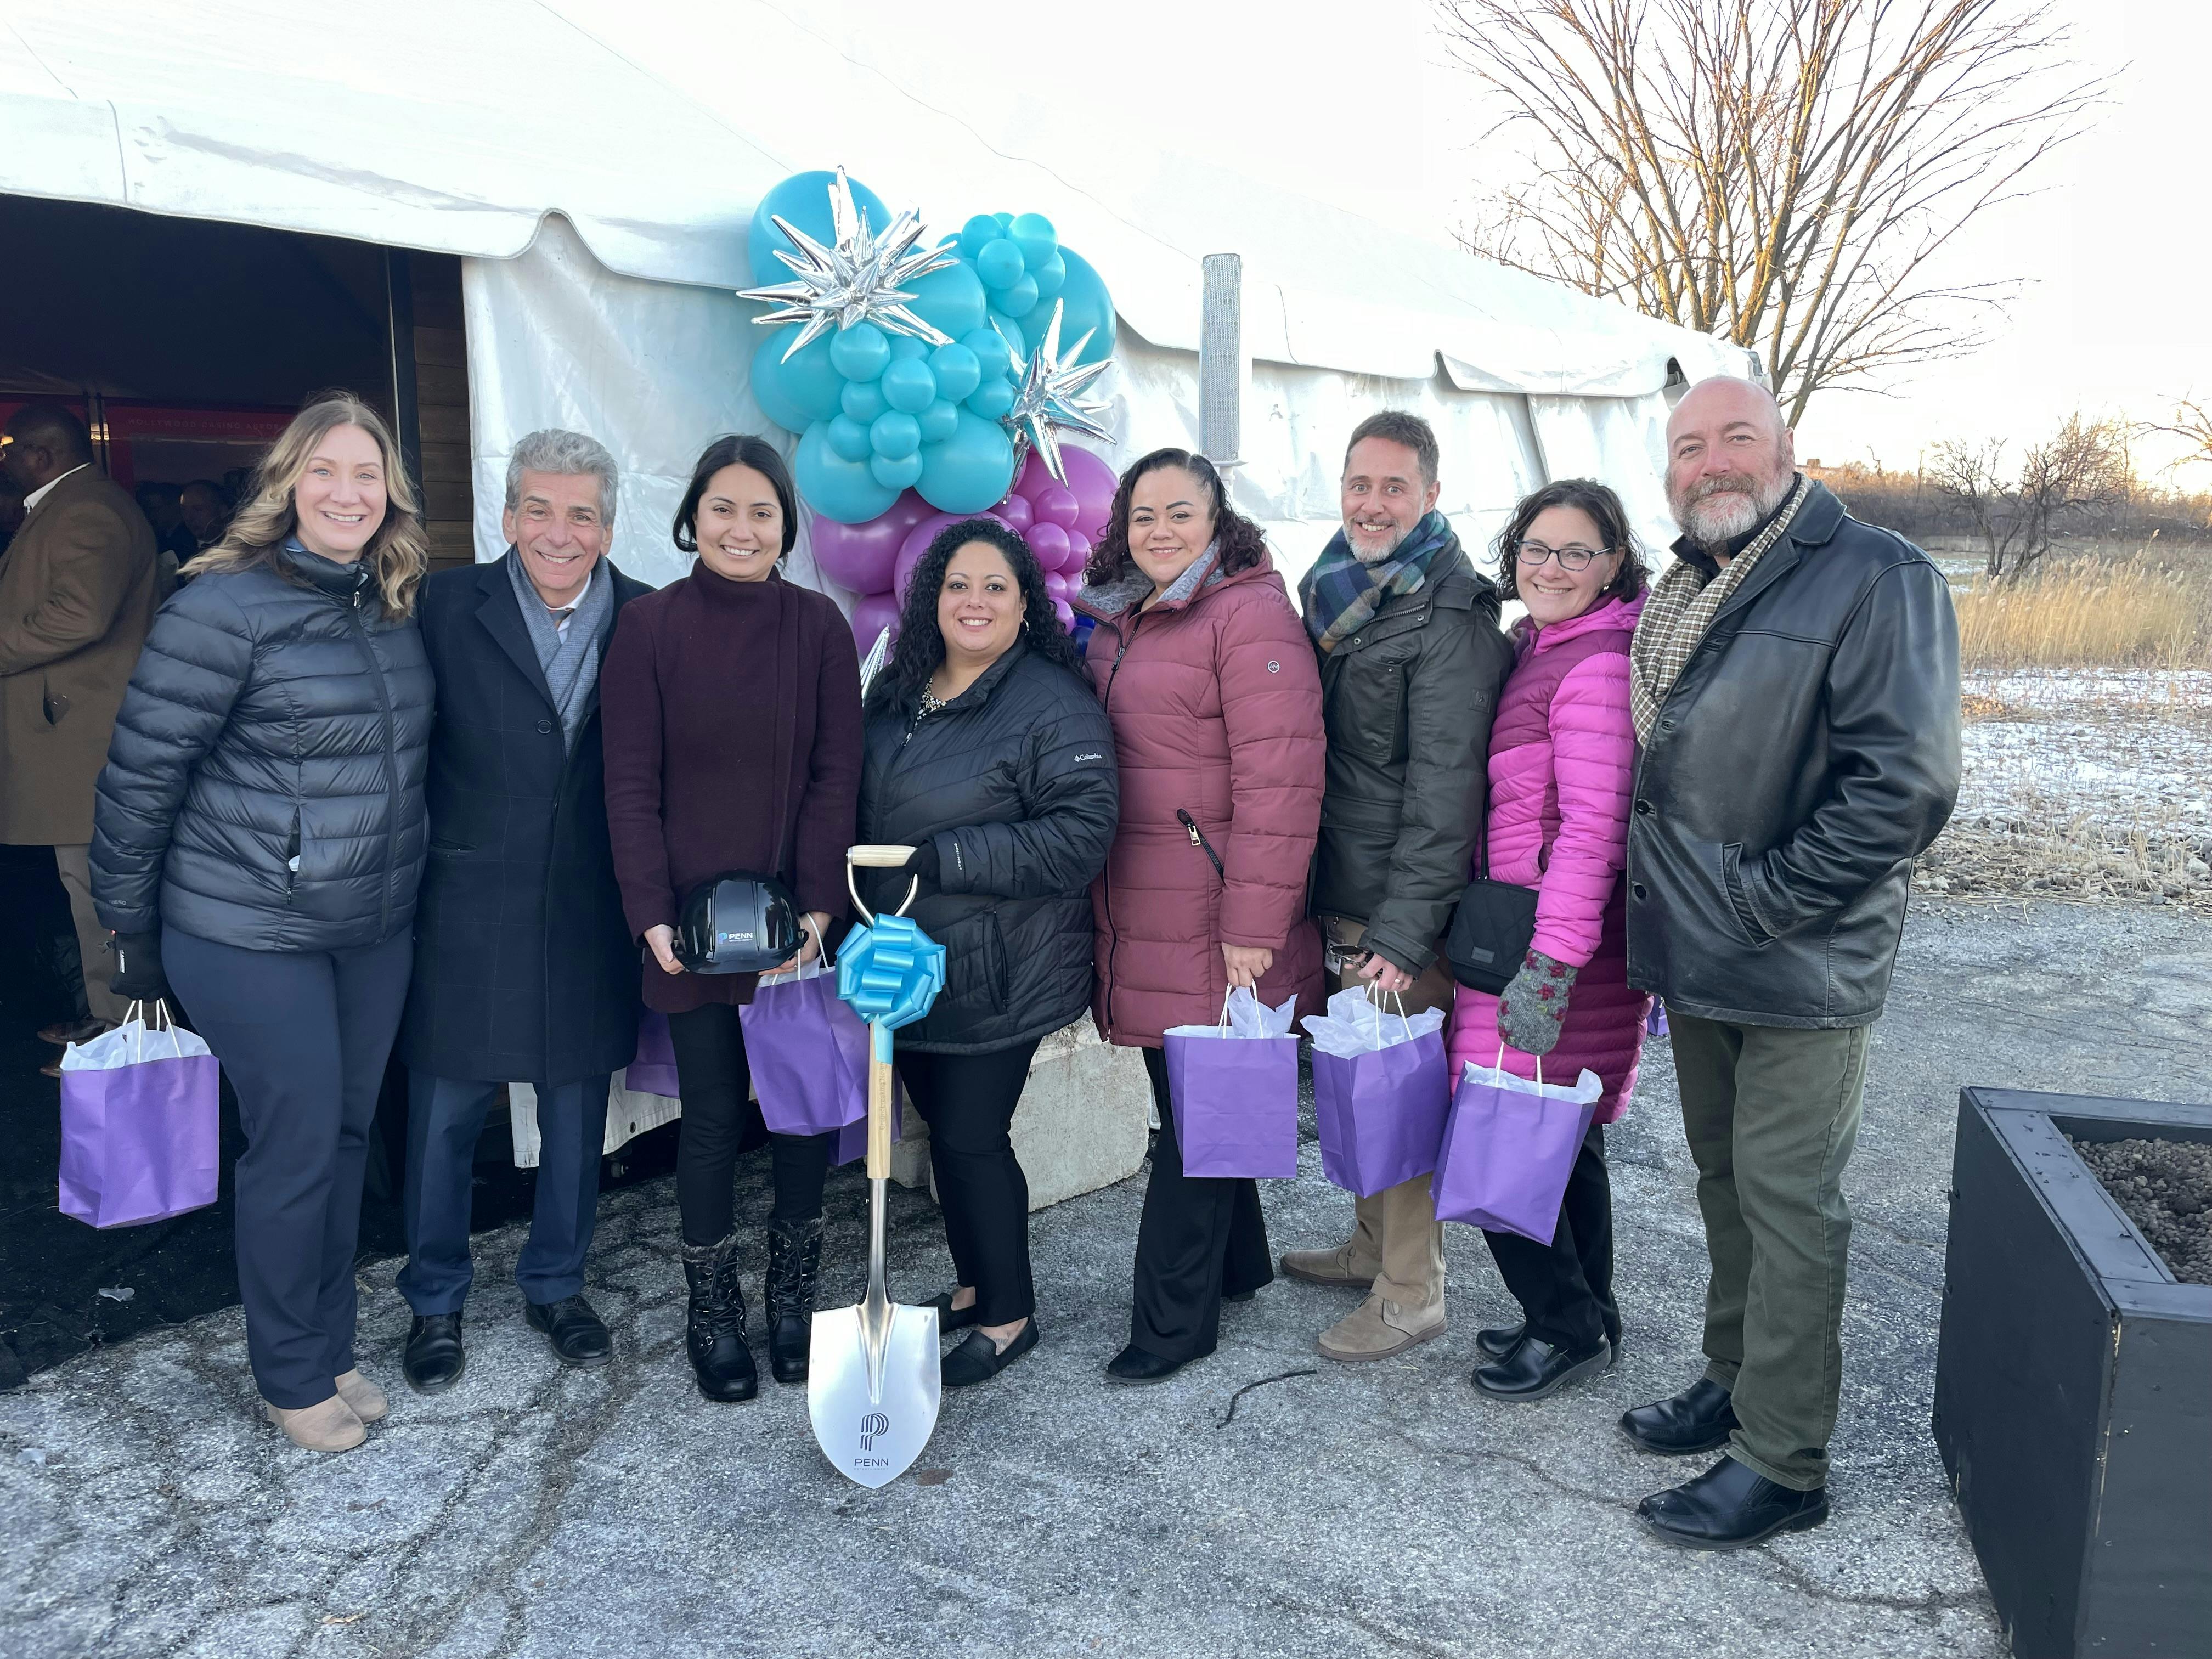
(879, 1115)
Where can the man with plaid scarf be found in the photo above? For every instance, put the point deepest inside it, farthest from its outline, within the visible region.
(1795, 683)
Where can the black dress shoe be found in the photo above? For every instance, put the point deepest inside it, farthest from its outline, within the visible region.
(1700, 1418)
(1731, 1506)
(434, 1358)
(1238, 1296)
(1134, 1364)
(577, 1336)
(1536, 1369)
(979, 1358)
(949, 1318)
(1499, 1340)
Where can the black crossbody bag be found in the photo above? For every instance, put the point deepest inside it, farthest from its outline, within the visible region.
(1491, 930)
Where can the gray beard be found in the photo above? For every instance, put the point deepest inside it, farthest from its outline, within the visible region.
(1714, 520)
(1375, 556)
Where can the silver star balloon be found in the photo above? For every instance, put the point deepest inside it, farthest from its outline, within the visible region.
(860, 278)
(1049, 400)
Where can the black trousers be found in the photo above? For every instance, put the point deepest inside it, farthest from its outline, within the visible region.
(1199, 1240)
(968, 1101)
(713, 1081)
(1565, 1287)
(303, 1037)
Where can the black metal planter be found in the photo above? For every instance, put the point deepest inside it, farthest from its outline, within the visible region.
(2074, 1386)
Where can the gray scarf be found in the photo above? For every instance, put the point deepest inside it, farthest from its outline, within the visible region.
(570, 662)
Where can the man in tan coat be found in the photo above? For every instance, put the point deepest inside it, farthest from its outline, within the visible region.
(78, 588)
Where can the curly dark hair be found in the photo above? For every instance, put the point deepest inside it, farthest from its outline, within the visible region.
(1603, 509)
(920, 646)
(1242, 544)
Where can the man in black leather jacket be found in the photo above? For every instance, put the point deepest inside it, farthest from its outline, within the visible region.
(1795, 689)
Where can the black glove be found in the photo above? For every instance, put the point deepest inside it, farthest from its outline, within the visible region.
(923, 861)
(138, 967)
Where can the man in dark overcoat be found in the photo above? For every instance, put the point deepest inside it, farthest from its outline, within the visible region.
(524, 969)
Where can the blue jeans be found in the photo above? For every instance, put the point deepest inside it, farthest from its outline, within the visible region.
(444, 1115)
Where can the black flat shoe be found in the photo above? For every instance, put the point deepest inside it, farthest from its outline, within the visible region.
(1499, 1340)
(1239, 1295)
(577, 1336)
(1135, 1365)
(1730, 1506)
(949, 1318)
(979, 1358)
(1536, 1369)
(434, 1358)
(1700, 1418)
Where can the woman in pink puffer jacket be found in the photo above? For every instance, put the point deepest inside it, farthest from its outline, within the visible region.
(1562, 762)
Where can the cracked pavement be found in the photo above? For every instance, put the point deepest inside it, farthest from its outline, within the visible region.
(1262, 1502)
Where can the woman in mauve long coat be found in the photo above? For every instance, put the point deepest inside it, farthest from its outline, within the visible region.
(1210, 684)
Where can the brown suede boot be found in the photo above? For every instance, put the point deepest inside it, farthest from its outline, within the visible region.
(328, 1427)
(1333, 1267)
(367, 1400)
(1380, 1329)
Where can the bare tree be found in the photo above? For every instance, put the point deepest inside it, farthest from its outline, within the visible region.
(2084, 470)
(1777, 172)
(2192, 424)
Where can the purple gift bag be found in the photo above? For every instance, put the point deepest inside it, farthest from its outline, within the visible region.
(138, 1124)
(1381, 1114)
(654, 1071)
(1234, 1096)
(1509, 1146)
(852, 1139)
(809, 1054)
(1655, 1023)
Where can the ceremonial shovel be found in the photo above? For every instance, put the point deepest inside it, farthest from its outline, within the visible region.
(872, 1376)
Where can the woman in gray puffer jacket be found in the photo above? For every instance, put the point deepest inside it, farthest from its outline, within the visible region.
(258, 833)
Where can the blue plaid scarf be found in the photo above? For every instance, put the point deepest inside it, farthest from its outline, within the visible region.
(1339, 594)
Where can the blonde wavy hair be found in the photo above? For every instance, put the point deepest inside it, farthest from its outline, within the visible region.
(397, 556)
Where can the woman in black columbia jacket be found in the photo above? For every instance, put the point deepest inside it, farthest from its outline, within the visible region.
(258, 833)
(987, 753)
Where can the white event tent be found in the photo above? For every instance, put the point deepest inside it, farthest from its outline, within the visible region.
(598, 184)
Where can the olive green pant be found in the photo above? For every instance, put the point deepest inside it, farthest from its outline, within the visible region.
(1772, 1114)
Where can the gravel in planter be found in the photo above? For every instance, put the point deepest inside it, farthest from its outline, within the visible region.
(2166, 1187)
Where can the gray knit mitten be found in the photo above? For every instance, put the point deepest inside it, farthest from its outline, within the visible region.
(1534, 1006)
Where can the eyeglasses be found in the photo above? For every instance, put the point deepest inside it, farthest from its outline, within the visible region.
(1533, 554)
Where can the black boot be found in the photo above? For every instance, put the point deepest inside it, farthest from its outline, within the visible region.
(794, 1253)
(714, 1324)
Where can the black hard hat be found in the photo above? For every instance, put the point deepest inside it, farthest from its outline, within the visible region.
(737, 923)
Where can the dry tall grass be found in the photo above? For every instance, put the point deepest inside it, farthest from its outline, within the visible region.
(2092, 613)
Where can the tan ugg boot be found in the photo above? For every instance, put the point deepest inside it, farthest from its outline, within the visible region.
(1379, 1329)
(1333, 1267)
(367, 1400)
(327, 1426)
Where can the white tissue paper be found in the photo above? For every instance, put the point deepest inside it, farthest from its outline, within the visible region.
(1243, 1015)
(1356, 1024)
(129, 1044)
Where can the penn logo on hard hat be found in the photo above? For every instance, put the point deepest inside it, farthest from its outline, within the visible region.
(740, 922)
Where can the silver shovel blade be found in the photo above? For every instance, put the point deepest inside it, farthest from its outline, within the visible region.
(873, 1434)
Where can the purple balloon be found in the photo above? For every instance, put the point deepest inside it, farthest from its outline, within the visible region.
(1049, 543)
(1061, 609)
(1034, 476)
(1057, 585)
(1057, 502)
(1017, 511)
(1081, 543)
(871, 613)
(862, 556)
(1093, 483)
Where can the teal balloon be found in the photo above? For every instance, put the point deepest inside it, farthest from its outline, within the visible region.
(1033, 233)
(1021, 298)
(860, 352)
(1049, 273)
(976, 231)
(863, 400)
(1000, 264)
(1009, 326)
(835, 486)
(905, 346)
(1005, 220)
(850, 439)
(892, 436)
(992, 352)
(797, 393)
(991, 399)
(950, 301)
(896, 471)
(958, 371)
(1089, 307)
(971, 469)
(803, 200)
(910, 386)
(938, 420)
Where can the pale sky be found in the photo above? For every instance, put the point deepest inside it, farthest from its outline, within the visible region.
(1353, 104)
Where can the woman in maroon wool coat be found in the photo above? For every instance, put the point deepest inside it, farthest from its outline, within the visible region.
(731, 703)
(1210, 682)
